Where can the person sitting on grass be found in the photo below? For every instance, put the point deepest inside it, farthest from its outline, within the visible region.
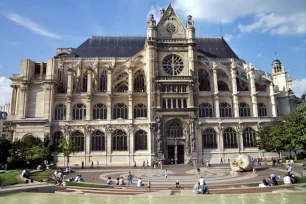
(295, 179)
(81, 179)
(264, 181)
(121, 181)
(109, 181)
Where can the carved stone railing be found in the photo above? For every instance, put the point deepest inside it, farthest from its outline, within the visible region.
(174, 78)
(174, 109)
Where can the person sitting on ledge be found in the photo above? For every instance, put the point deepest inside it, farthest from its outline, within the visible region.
(81, 179)
(139, 183)
(196, 188)
(264, 181)
(295, 179)
(121, 181)
(287, 179)
(117, 181)
(109, 181)
(262, 184)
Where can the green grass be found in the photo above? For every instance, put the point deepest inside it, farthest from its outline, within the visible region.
(302, 180)
(38, 176)
(10, 178)
(85, 185)
(300, 161)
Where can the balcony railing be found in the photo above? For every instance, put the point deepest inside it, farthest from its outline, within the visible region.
(174, 78)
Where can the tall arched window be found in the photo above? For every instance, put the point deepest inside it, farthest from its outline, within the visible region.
(174, 128)
(120, 111)
(103, 81)
(209, 139)
(60, 112)
(77, 139)
(56, 138)
(244, 110)
(98, 141)
(205, 110)
(204, 84)
(225, 110)
(262, 110)
(222, 86)
(139, 83)
(85, 78)
(249, 137)
(140, 111)
(230, 138)
(119, 141)
(78, 112)
(141, 140)
(100, 112)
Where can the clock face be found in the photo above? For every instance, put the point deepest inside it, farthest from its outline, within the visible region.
(173, 65)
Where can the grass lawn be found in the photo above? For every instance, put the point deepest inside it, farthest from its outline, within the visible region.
(85, 185)
(38, 176)
(300, 161)
(10, 178)
(302, 180)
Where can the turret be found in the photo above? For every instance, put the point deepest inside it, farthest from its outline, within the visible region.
(151, 30)
(277, 67)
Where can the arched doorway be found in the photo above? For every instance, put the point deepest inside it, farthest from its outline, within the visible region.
(175, 141)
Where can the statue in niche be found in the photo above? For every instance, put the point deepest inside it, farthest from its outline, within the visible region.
(190, 22)
(151, 20)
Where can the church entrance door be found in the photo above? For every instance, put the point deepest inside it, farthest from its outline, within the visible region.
(180, 154)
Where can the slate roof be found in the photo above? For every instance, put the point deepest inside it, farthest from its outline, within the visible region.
(126, 46)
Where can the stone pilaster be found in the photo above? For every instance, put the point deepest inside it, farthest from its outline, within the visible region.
(109, 81)
(215, 89)
(234, 87)
(23, 101)
(109, 107)
(89, 81)
(13, 99)
(253, 92)
(88, 107)
(48, 100)
(131, 148)
(272, 100)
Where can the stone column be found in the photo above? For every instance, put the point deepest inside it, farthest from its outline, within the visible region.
(215, 89)
(130, 108)
(23, 101)
(88, 131)
(150, 67)
(253, 92)
(41, 71)
(108, 140)
(109, 107)
(88, 107)
(234, 86)
(17, 100)
(48, 100)
(272, 100)
(130, 79)
(160, 150)
(220, 140)
(69, 94)
(89, 81)
(109, 81)
(131, 147)
(13, 99)
(190, 95)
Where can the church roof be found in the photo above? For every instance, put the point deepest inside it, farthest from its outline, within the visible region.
(127, 46)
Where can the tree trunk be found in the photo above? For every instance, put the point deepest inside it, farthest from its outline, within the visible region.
(279, 155)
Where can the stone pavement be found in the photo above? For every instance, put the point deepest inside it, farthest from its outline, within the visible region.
(186, 174)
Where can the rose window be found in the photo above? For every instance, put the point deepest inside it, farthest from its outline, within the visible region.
(171, 28)
(173, 65)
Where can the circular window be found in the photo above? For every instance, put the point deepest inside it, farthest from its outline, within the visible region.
(171, 28)
(173, 65)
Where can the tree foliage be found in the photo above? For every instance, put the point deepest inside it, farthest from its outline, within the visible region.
(5, 146)
(285, 134)
(67, 147)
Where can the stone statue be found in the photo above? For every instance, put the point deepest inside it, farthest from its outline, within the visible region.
(242, 163)
(151, 20)
(190, 22)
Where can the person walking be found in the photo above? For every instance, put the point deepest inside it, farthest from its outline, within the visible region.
(130, 178)
(166, 174)
(221, 161)
(147, 163)
(97, 164)
(92, 164)
(82, 164)
(144, 165)
(135, 165)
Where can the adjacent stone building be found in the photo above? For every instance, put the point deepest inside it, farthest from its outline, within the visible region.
(168, 95)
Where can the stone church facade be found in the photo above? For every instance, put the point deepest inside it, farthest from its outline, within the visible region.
(169, 95)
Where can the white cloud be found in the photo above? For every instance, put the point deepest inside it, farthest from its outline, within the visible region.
(228, 37)
(155, 10)
(299, 87)
(31, 25)
(259, 54)
(5, 90)
(277, 17)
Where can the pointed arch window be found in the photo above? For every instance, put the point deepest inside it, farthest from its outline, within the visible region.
(244, 110)
(222, 86)
(60, 112)
(140, 111)
(205, 110)
(100, 112)
(225, 110)
(120, 111)
(98, 141)
(77, 139)
(119, 141)
(103, 81)
(204, 83)
(56, 138)
(141, 142)
(139, 83)
(85, 79)
(174, 128)
(230, 138)
(249, 137)
(209, 138)
(79, 112)
(262, 110)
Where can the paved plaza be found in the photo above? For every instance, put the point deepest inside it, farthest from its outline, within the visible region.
(186, 174)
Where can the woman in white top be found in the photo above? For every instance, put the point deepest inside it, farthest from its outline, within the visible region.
(287, 180)
(139, 183)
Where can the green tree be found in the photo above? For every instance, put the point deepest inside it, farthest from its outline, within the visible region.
(67, 148)
(5, 146)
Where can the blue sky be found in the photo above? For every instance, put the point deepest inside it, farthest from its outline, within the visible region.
(254, 29)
